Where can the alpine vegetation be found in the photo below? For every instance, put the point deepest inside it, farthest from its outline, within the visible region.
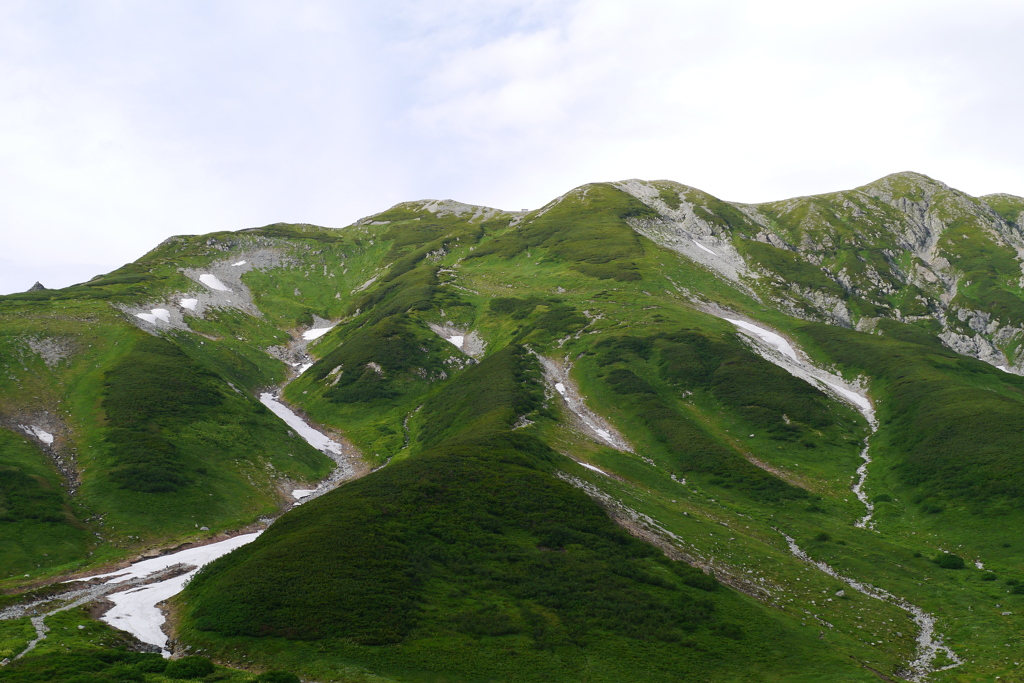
(638, 434)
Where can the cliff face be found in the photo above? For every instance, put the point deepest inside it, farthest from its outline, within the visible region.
(905, 247)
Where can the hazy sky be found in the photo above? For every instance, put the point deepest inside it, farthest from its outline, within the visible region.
(122, 123)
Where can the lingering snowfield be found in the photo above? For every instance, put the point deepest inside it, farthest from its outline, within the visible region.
(240, 263)
(299, 494)
(213, 282)
(862, 403)
(310, 335)
(591, 467)
(313, 437)
(822, 379)
(704, 248)
(776, 340)
(155, 314)
(136, 610)
(457, 340)
(592, 424)
(190, 304)
(38, 432)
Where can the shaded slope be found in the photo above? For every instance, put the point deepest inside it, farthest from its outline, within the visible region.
(470, 560)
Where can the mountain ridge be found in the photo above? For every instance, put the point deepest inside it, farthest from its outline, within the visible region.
(715, 338)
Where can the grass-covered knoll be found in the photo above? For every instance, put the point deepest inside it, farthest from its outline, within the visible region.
(180, 448)
(1009, 207)
(471, 560)
(990, 270)
(952, 424)
(586, 228)
(649, 374)
(37, 524)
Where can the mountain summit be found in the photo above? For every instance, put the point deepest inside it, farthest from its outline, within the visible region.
(639, 433)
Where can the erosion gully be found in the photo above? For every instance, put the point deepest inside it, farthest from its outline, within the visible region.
(137, 590)
(777, 349)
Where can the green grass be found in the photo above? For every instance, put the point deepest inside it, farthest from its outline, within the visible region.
(470, 560)
(38, 527)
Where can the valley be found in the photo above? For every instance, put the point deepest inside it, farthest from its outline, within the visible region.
(639, 433)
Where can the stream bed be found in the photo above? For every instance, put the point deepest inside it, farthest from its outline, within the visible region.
(137, 590)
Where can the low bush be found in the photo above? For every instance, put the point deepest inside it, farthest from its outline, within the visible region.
(189, 667)
(949, 561)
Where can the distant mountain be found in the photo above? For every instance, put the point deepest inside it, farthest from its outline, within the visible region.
(637, 434)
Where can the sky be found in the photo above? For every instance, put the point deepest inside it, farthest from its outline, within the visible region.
(123, 123)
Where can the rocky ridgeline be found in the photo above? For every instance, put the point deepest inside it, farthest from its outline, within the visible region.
(895, 248)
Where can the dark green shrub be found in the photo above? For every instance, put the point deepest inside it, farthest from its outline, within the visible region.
(823, 537)
(949, 561)
(883, 498)
(1018, 589)
(276, 677)
(188, 667)
(988, 577)
(123, 673)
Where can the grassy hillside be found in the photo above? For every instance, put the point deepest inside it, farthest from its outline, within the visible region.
(471, 561)
(475, 358)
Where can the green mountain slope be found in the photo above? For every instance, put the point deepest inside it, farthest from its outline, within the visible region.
(582, 469)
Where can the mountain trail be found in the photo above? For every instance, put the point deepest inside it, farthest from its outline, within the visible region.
(929, 646)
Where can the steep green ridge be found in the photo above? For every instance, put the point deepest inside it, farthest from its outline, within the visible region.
(476, 549)
(38, 526)
(471, 562)
(937, 406)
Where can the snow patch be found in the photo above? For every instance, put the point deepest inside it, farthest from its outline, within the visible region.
(190, 304)
(862, 403)
(38, 432)
(466, 341)
(314, 438)
(310, 335)
(213, 282)
(586, 420)
(299, 494)
(704, 248)
(591, 467)
(323, 443)
(240, 263)
(136, 610)
(154, 315)
(776, 340)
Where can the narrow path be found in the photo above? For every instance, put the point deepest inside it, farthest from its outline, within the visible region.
(864, 522)
(929, 646)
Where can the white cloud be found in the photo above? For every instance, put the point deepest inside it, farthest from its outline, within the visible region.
(122, 123)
